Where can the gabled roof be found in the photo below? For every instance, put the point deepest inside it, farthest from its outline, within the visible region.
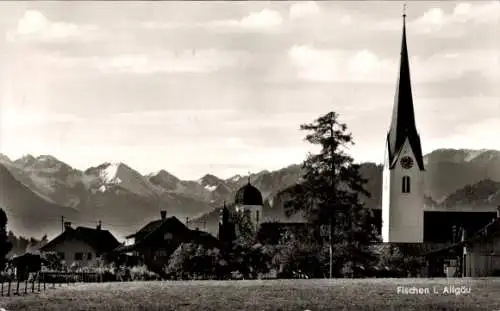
(403, 116)
(411, 249)
(173, 225)
(154, 225)
(490, 230)
(150, 227)
(101, 240)
(487, 232)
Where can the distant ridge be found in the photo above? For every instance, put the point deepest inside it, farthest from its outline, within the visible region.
(123, 199)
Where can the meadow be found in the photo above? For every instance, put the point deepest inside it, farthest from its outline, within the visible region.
(276, 295)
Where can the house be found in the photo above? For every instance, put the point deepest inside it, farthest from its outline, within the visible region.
(477, 255)
(481, 251)
(84, 246)
(154, 243)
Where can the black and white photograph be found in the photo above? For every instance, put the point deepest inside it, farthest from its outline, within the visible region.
(249, 155)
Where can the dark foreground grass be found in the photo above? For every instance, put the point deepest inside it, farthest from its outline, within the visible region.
(299, 295)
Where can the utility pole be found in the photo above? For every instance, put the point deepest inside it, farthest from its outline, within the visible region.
(62, 223)
(330, 223)
(187, 222)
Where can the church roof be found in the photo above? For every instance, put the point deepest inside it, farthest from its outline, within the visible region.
(248, 195)
(403, 116)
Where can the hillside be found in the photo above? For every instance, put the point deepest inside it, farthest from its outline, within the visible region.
(123, 199)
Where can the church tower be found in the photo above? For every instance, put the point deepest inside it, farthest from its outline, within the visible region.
(403, 191)
(249, 199)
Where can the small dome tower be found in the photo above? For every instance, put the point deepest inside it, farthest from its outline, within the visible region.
(248, 198)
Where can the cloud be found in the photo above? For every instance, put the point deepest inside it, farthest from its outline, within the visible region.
(263, 20)
(33, 25)
(303, 9)
(164, 61)
(464, 13)
(19, 117)
(438, 23)
(338, 65)
(194, 61)
(365, 66)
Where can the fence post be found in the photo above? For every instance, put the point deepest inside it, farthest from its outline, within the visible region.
(26, 286)
(44, 282)
(38, 278)
(33, 286)
(2, 287)
(8, 288)
(17, 287)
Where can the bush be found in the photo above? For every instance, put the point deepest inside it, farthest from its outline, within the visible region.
(193, 261)
(141, 273)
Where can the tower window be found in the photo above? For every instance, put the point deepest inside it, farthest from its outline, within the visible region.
(405, 184)
(257, 216)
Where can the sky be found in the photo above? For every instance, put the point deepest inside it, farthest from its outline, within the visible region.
(222, 87)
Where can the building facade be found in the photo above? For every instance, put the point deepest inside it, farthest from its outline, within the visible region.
(403, 180)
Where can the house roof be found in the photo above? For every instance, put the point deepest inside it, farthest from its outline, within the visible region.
(412, 249)
(150, 227)
(173, 225)
(153, 226)
(101, 240)
(492, 229)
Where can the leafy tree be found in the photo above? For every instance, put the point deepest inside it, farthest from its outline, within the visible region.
(53, 261)
(299, 255)
(251, 260)
(245, 229)
(330, 193)
(5, 245)
(246, 255)
(395, 263)
(192, 260)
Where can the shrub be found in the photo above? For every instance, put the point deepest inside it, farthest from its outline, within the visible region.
(193, 261)
(141, 273)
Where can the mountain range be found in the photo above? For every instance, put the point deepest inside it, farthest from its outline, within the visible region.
(36, 192)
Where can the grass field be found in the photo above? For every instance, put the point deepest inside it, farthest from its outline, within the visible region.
(342, 294)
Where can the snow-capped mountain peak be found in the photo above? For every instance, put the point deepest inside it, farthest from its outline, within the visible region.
(211, 188)
(210, 180)
(25, 160)
(235, 178)
(109, 173)
(4, 158)
(46, 159)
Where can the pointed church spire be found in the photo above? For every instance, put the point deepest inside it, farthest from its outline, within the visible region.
(403, 116)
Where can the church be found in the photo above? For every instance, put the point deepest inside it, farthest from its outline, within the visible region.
(404, 220)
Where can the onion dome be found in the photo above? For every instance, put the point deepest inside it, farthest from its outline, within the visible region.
(248, 195)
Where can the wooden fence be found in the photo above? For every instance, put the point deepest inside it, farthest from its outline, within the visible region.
(39, 282)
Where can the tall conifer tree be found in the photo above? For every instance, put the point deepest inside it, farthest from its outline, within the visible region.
(330, 194)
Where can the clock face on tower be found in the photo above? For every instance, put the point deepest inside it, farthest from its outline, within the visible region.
(406, 162)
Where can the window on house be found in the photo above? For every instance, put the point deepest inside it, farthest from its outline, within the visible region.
(89, 256)
(79, 256)
(405, 184)
(257, 216)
